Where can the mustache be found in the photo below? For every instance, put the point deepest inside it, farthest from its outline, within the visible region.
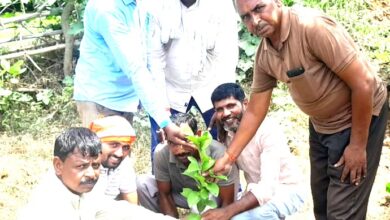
(88, 182)
(231, 117)
(183, 155)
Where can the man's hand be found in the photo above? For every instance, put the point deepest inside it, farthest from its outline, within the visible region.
(354, 159)
(220, 214)
(174, 134)
(222, 165)
(212, 121)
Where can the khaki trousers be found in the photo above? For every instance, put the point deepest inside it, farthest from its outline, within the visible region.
(89, 111)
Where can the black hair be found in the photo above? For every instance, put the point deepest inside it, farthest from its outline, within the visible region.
(227, 90)
(186, 118)
(86, 141)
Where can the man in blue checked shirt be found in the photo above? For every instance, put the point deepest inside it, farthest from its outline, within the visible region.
(111, 73)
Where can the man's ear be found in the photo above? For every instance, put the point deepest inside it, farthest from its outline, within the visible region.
(245, 103)
(58, 165)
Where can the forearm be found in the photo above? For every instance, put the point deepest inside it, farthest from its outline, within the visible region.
(167, 205)
(362, 105)
(361, 118)
(226, 194)
(247, 202)
(130, 197)
(252, 118)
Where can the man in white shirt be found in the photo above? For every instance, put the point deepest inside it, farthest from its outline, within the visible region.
(194, 48)
(64, 194)
(117, 176)
(274, 184)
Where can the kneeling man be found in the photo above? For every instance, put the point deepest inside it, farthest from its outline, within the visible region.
(162, 193)
(274, 184)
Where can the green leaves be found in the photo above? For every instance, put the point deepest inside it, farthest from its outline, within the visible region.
(13, 70)
(193, 197)
(388, 187)
(197, 171)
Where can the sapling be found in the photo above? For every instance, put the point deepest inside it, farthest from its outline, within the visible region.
(197, 170)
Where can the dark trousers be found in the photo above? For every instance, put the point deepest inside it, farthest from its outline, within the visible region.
(332, 199)
(154, 127)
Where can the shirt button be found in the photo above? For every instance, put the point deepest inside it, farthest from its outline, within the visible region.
(186, 104)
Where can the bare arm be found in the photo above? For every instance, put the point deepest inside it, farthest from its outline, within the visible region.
(165, 200)
(361, 83)
(130, 197)
(251, 120)
(226, 194)
(247, 202)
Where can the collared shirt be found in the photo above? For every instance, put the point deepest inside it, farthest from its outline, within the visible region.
(269, 168)
(113, 182)
(112, 68)
(52, 200)
(168, 169)
(322, 47)
(200, 55)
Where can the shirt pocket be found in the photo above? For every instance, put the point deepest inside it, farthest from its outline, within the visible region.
(303, 89)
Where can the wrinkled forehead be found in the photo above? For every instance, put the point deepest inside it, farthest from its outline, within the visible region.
(246, 6)
(81, 157)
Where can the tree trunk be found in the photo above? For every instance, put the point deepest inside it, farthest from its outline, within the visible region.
(69, 39)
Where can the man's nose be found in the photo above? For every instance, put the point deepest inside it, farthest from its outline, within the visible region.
(119, 152)
(226, 112)
(255, 20)
(90, 172)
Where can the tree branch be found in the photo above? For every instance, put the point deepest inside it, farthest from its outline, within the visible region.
(35, 51)
(24, 17)
(69, 39)
(32, 36)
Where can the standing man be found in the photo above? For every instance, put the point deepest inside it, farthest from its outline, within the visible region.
(274, 188)
(194, 49)
(111, 73)
(162, 192)
(330, 81)
(117, 176)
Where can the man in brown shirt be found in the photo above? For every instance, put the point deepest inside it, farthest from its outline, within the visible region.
(331, 82)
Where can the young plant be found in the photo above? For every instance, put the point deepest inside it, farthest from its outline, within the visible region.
(197, 170)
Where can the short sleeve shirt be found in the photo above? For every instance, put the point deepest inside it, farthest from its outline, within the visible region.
(316, 43)
(116, 181)
(168, 169)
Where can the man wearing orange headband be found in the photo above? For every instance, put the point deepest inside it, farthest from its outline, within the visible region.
(117, 176)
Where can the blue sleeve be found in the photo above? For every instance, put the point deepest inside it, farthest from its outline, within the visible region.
(123, 35)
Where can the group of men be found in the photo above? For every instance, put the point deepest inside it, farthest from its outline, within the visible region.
(172, 55)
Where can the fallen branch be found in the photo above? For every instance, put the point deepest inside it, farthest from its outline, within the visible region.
(4, 21)
(35, 51)
(25, 17)
(17, 39)
(30, 90)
